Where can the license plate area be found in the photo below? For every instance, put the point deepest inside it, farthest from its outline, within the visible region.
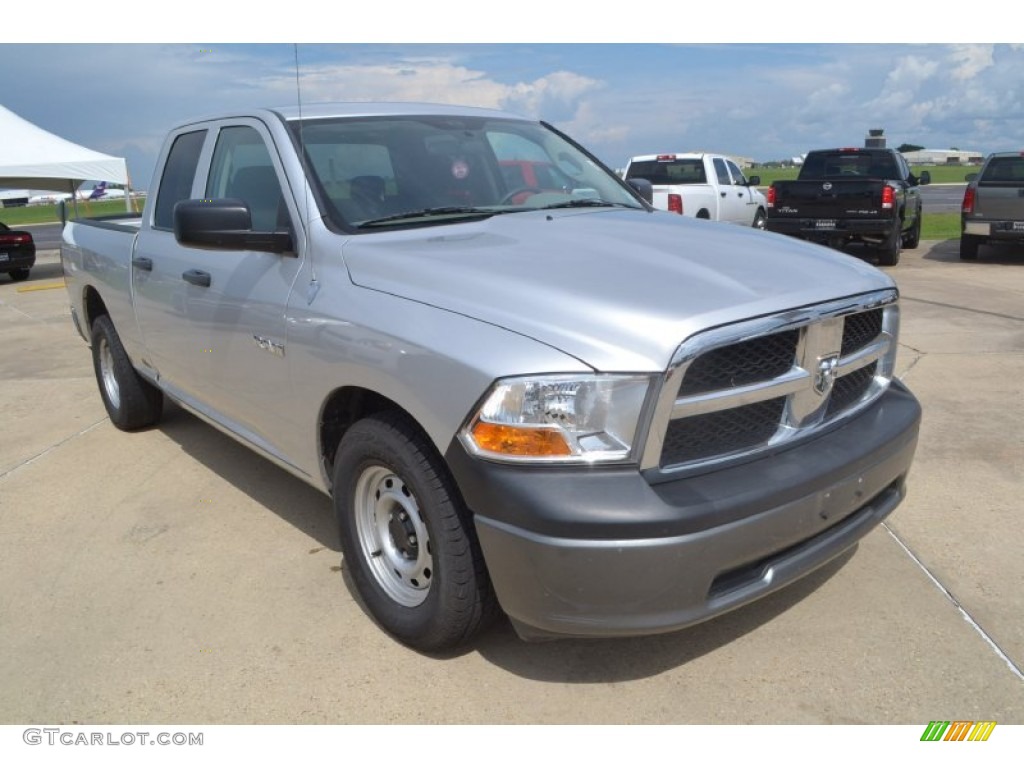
(4, 257)
(1018, 226)
(825, 224)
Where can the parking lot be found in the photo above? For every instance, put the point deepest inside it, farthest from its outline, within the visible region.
(172, 576)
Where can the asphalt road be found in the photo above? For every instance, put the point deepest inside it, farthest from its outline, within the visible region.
(172, 576)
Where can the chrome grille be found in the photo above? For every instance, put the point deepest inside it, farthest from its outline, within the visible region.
(742, 389)
(744, 363)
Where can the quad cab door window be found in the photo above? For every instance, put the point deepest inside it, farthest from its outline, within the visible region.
(242, 169)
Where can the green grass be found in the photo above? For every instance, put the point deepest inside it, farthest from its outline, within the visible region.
(941, 174)
(46, 214)
(940, 226)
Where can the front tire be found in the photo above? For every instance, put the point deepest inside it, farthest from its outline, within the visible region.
(760, 220)
(17, 275)
(406, 537)
(913, 238)
(889, 254)
(130, 400)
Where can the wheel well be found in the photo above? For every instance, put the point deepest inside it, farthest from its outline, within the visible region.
(94, 307)
(703, 214)
(344, 407)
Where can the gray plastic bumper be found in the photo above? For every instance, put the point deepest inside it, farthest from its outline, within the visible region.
(605, 553)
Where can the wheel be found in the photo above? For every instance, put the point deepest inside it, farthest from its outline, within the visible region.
(17, 275)
(406, 537)
(889, 253)
(912, 239)
(131, 401)
(969, 247)
(760, 220)
(525, 191)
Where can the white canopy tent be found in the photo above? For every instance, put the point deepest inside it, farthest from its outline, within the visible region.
(37, 159)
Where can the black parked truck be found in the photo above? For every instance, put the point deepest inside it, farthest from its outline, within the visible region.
(851, 195)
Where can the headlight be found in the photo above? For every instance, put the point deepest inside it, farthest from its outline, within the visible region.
(559, 419)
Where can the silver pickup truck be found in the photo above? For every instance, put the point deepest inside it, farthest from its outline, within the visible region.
(556, 403)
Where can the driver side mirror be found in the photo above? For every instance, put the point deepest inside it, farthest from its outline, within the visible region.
(224, 224)
(644, 188)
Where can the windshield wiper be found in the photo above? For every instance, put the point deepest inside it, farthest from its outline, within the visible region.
(428, 212)
(587, 202)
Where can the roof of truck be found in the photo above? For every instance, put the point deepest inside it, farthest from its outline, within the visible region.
(371, 108)
(319, 110)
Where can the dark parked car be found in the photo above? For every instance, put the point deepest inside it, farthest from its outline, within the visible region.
(17, 252)
(993, 207)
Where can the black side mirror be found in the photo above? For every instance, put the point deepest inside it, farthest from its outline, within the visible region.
(224, 224)
(644, 188)
(924, 178)
(754, 181)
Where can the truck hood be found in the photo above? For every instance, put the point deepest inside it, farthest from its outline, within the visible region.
(619, 290)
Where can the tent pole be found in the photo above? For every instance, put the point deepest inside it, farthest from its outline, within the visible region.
(129, 204)
(74, 197)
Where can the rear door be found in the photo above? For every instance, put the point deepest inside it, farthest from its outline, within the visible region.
(733, 194)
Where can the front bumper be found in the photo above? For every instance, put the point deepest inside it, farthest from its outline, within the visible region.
(602, 552)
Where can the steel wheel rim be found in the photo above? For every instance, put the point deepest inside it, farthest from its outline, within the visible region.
(393, 538)
(110, 386)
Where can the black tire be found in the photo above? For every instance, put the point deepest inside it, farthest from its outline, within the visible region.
(889, 253)
(969, 247)
(760, 220)
(130, 400)
(406, 537)
(913, 238)
(17, 275)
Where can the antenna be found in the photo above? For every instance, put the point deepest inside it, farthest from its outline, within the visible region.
(314, 286)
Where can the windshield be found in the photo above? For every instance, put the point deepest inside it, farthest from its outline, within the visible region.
(400, 171)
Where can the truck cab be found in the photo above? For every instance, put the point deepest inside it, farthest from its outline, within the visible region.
(702, 186)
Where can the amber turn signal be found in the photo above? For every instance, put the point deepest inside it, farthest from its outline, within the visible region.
(519, 441)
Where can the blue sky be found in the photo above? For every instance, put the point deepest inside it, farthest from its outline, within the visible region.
(764, 100)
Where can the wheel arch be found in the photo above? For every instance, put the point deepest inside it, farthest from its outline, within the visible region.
(93, 306)
(343, 408)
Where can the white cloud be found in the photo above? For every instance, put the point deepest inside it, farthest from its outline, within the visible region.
(970, 60)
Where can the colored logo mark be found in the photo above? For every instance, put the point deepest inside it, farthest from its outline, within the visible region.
(958, 730)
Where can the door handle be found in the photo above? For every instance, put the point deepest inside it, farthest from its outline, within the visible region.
(141, 262)
(197, 277)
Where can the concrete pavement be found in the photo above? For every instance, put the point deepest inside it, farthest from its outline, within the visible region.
(172, 576)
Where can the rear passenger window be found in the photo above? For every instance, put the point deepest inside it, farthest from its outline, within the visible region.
(722, 172)
(176, 181)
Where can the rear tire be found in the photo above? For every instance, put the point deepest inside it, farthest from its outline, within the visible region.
(969, 247)
(407, 538)
(17, 275)
(130, 400)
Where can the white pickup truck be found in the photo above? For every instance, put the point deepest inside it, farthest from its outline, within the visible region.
(520, 385)
(701, 185)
